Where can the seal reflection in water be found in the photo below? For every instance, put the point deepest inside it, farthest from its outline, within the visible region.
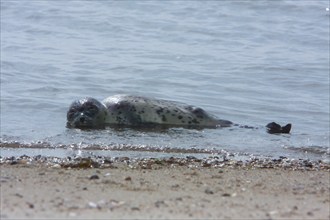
(137, 111)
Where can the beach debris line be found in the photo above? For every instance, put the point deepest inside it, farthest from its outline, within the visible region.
(158, 163)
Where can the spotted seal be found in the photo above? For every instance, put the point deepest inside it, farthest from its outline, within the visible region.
(138, 111)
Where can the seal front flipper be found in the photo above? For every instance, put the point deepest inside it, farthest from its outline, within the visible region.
(274, 128)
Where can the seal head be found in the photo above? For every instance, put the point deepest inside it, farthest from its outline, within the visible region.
(86, 113)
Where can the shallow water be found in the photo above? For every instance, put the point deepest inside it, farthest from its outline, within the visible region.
(251, 62)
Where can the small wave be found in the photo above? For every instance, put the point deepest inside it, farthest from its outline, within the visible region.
(113, 147)
(51, 89)
(319, 150)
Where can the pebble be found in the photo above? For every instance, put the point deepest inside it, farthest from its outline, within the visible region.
(18, 195)
(160, 203)
(310, 213)
(56, 166)
(209, 191)
(31, 206)
(226, 194)
(94, 177)
(92, 205)
(115, 204)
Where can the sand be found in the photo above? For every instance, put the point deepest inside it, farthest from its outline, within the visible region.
(44, 188)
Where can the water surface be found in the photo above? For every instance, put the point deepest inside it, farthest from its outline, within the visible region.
(251, 62)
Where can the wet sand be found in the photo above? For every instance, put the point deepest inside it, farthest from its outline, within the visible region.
(172, 188)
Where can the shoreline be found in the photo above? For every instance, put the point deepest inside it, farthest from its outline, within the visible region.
(171, 188)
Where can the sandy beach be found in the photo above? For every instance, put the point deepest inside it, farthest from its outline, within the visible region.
(173, 188)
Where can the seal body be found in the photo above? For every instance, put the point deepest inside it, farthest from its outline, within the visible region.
(137, 111)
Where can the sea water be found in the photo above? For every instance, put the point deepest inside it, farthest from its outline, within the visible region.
(250, 62)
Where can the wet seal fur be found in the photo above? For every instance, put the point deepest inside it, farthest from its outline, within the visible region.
(138, 111)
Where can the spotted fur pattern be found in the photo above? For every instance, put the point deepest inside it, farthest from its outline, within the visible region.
(137, 110)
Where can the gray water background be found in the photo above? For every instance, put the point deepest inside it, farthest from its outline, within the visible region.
(251, 62)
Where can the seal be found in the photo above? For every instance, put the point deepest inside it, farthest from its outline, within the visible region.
(138, 111)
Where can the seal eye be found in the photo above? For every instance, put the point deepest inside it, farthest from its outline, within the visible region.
(91, 110)
(70, 113)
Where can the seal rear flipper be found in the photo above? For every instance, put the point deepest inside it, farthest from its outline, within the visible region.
(286, 129)
(274, 128)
